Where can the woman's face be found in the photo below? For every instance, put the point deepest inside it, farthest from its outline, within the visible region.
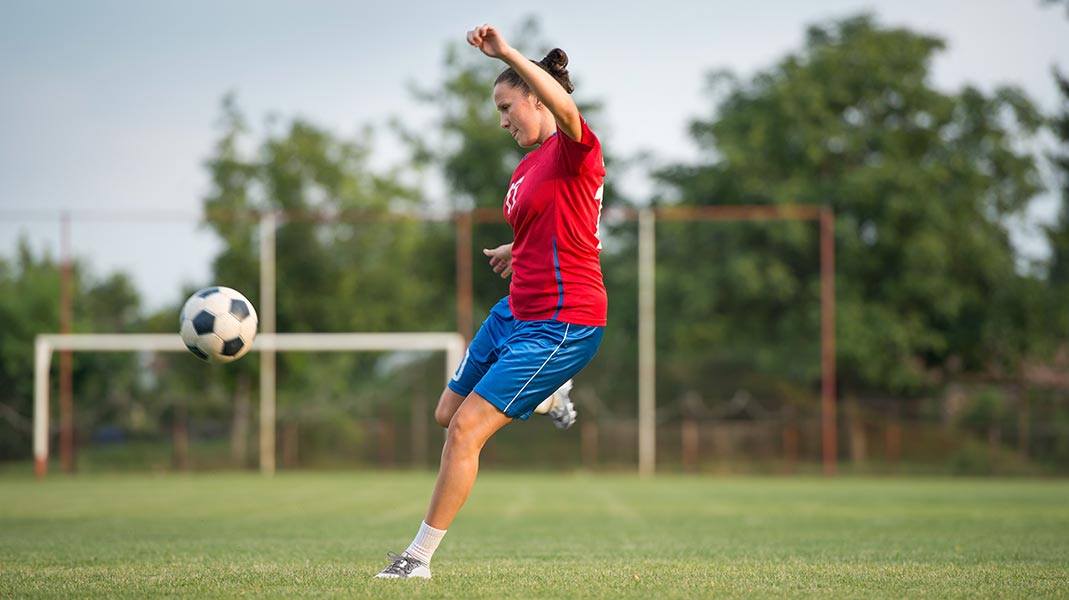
(521, 114)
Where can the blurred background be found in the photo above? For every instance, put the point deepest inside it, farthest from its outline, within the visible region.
(143, 143)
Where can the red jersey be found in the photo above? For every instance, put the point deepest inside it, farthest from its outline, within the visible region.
(554, 207)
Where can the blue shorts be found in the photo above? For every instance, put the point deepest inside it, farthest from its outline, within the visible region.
(517, 364)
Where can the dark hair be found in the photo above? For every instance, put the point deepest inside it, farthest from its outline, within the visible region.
(555, 63)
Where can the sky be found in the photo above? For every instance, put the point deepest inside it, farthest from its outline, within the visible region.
(114, 106)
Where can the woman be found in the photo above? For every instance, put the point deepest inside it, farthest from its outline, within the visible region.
(550, 325)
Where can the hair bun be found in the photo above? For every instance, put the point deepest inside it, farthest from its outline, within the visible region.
(556, 63)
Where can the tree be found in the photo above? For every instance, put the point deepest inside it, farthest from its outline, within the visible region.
(348, 255)
(1058, 232)
(922, 183)
(29, 304)
(361, 271)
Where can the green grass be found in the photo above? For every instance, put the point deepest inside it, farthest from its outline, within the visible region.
(534, 535)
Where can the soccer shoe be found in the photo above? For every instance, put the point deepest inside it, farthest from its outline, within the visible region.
(559, 407)
(403, 566)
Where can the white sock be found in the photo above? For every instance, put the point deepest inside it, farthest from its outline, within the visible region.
(425, 542)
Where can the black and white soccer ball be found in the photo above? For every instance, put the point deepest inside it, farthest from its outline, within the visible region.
(218, 324)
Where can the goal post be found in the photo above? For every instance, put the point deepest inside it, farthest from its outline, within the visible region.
(824, 217)
(45, 344)
(647, 219)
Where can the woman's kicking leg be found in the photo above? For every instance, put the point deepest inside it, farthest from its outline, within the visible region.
(448, 404)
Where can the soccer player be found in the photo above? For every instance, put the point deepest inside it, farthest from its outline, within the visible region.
(550, 325)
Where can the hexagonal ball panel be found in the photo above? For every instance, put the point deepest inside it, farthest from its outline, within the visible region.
(191, 308)
(226, 326)
(248, 330)
(217, 304)
(211, 344)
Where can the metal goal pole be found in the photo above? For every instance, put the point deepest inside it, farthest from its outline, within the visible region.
(451, 343)
(647, 352)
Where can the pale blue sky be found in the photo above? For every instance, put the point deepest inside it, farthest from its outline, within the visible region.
(113, 104)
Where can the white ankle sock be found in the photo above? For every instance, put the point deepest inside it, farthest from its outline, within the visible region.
(425, 542)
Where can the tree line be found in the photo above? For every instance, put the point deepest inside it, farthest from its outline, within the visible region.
(925, 185)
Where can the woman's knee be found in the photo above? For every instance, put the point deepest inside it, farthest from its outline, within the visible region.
(460, 430)
(466, 430)
(474, 422)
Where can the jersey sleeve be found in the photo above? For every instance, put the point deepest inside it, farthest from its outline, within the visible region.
(579, 155)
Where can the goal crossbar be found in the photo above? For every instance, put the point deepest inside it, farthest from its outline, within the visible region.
(45, 344)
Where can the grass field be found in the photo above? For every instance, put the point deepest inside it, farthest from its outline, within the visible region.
(534, 535)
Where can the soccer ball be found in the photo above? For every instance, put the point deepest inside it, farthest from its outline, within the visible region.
(218, 324)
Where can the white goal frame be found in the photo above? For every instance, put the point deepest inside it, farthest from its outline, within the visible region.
(45, 344)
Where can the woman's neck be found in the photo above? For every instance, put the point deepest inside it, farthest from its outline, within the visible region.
(549, 127)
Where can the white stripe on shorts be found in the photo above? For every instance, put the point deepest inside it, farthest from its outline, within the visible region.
(566, 326)
(463, 363)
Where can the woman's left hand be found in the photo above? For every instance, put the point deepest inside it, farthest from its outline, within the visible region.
(488, 39)
(500, 259)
